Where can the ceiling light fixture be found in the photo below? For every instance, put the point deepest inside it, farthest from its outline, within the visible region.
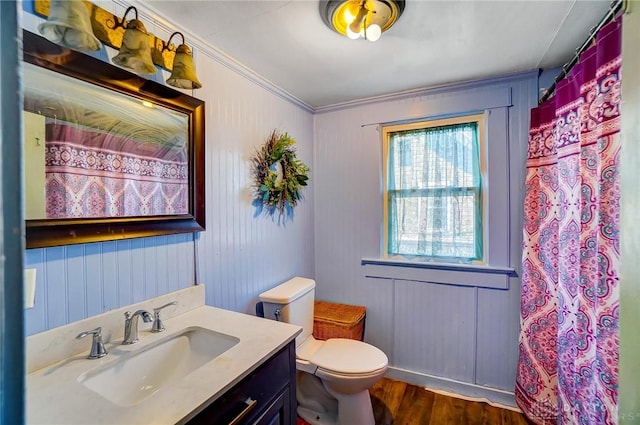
(366, 19)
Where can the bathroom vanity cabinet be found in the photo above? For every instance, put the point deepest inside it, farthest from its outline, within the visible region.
(265, 397)
(250, 382)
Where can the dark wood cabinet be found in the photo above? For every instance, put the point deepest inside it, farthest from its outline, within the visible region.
(266, 397)
(279, 411)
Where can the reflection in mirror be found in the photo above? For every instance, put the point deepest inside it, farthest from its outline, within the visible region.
(102, 155)
(108, 155)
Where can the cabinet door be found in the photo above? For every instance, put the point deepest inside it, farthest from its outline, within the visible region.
(277, 413)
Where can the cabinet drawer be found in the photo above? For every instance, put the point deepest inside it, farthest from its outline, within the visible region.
(250, 398)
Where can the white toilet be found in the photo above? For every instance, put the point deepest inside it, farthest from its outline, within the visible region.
(334, 376)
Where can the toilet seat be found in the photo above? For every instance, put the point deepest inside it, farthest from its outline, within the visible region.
(329, 375)
(340, 357)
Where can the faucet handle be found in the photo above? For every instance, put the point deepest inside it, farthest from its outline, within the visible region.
(97, 346)
(158, 326)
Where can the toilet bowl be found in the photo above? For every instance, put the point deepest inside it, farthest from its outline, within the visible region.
(333, 376)
(346, 369)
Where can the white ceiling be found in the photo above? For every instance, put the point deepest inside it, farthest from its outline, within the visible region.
(433, 42)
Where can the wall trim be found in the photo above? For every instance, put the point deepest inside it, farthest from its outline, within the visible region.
(478, 268)
(447, 274)
(464, 389)
(12, 372)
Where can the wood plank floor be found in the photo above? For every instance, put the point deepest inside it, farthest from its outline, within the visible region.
(399, 403)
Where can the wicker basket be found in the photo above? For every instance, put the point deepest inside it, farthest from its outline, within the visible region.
(338, 321)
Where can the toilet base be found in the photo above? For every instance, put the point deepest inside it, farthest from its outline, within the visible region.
(318, 404)
(354, 408)
(315, 404)
(315, 418)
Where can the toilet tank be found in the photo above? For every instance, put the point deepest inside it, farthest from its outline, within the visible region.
(294, 300)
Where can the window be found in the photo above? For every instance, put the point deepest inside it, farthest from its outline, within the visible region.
(433, 189)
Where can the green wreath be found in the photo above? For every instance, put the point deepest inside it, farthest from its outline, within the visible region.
(278, 175)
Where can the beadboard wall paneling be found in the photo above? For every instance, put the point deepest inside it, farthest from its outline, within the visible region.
(379, 318)
(432, 337)
(415, 322)
(244, 253)
(78, 281)
(497, 336)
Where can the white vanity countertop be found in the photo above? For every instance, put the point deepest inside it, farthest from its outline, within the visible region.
(55, 396)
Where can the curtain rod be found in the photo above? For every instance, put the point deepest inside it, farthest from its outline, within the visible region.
(614, 8)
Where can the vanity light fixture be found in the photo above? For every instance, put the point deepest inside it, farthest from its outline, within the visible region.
(183, 72)
(135, 52)
(366, 19)
(112, 31)
(69, 25)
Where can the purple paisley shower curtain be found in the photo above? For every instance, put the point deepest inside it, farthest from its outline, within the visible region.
(568, 365)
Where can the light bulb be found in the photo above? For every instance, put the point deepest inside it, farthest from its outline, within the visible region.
(355, 29)
(352, 35)
(373, 32)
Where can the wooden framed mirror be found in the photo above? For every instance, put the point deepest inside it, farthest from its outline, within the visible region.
(108, 155)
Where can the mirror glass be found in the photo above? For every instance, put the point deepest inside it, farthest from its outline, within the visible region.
(108, 154)
(93, 153)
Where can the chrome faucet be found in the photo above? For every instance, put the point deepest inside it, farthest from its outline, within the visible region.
(158, 326)
(131, 325)
(97, 347)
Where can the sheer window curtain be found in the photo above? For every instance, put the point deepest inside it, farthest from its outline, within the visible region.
(568, 364)
(433, 190)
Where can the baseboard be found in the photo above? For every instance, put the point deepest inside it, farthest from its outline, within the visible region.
(463, 389)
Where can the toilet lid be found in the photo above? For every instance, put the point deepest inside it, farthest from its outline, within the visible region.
(349, 356)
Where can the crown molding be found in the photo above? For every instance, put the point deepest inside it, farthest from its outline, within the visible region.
(200, 46)
(425, 91)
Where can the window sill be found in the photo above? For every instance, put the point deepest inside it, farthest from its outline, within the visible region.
(474, 275)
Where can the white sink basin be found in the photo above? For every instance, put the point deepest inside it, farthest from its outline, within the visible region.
(141, 374)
